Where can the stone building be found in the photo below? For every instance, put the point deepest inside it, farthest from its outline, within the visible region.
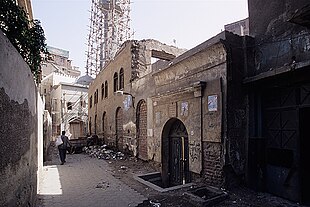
(176, 108)
(59, 62)
(65, 94)
(26, 6)
(199, 111)
(123, 86)
(278, 80)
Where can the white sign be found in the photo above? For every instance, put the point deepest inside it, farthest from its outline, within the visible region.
(212, 103)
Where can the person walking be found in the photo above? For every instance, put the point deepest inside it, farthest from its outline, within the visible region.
(63, 147)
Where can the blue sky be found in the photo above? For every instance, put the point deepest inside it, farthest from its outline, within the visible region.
(189, 22)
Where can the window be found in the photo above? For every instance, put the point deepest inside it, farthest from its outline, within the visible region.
(54, 104)
(121, 79)
(115, 88)
(90, 101)
(96, 97)
(106, 89)
(69, 106)
(102, 91)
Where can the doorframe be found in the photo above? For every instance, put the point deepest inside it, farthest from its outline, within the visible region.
(165, 151)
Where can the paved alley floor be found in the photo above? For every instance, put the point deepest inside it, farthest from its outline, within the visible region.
(87, 181)
(83, 181)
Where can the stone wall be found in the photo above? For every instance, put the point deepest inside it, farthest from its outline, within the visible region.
(47, 134)
(135, 59)
(19, 129)
(280, 44)
(274, 22)
(213, 163)
(182, 92)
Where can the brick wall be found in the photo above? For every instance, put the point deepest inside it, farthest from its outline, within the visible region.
(213, 164)
(142, 139)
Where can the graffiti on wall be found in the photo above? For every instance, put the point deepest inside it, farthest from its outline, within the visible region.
(194, 151)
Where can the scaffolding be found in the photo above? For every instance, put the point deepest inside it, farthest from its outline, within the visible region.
(109, 28)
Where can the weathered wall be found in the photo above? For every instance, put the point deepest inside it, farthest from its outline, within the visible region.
(40, 140)
(236, 107)
(113, 101)
(278, 42)
(47, 134)
(18, 129)
(216, 118)
(274, 22)
(135, 58)
(182, 85)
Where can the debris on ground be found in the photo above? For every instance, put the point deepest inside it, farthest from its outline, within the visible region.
(102, 152)
(103, 185)
(155, 204)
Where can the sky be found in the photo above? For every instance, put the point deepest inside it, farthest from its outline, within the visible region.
(183, 23)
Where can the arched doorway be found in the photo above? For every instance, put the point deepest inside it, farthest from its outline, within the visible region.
(175, 168)
(119, 128)
(142, 130)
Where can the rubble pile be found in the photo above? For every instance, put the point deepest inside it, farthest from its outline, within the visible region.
(102, 152)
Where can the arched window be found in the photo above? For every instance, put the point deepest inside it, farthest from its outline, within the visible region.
(121, 79)
(106, 89)
(102, 91)
(115, 88)
(90, 101)
(96, 97)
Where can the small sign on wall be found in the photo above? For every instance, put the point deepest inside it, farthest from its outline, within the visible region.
(127, 103)
(184, 108)
(212, 103)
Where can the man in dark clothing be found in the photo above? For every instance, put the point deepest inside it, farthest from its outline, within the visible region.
(63, 147)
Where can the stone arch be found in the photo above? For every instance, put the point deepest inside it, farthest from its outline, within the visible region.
(119, 128)
(115, 82)
(121, 79)
(175, 153)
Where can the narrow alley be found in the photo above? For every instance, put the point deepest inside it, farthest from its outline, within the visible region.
(83, 181)
(193, 106)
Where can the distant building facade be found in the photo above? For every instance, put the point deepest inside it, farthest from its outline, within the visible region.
(59, 62)
(65, 94)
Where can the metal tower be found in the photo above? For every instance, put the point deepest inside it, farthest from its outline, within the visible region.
(109, 28)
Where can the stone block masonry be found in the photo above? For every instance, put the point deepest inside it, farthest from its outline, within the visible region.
(213, 164)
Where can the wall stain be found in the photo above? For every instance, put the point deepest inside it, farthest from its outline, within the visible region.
(15, 130)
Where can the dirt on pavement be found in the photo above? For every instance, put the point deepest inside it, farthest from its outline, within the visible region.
(125, 169)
